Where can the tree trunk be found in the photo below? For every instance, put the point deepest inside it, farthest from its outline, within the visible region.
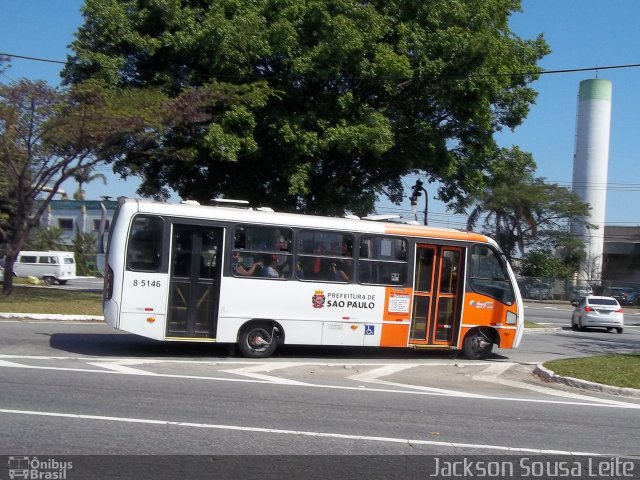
(7, 283)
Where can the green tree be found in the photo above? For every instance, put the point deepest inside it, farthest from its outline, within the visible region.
(46, 239)
(46, 136)
(84, 247)
(544, 264)
(314, 105)
(521, 210)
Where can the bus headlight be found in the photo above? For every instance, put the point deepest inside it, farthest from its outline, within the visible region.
(511, 318)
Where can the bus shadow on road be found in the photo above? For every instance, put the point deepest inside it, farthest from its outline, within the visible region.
(126, 345)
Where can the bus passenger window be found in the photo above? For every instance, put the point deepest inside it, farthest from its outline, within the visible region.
(144, 247)
(263, 252)
(383, 261)
(324, 256)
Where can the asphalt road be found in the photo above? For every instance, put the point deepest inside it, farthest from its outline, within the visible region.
(82, 389)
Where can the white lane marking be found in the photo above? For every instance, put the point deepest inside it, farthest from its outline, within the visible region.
(492, 375)
(278, 431)
(271, 362)
(122, 367)
(333, 387)
(372, 376)
(252, 372)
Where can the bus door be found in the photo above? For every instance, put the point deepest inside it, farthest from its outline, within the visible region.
(437, 287)
(194, 289)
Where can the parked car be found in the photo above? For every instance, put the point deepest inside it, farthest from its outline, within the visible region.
(594, 311)
(538, 291)
(578, 293)
(624, 295)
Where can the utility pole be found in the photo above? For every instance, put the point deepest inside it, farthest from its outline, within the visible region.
(417, 191)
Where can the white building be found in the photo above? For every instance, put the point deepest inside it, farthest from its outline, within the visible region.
(73, 216)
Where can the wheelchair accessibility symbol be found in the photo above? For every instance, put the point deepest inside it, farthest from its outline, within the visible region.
(369, 329)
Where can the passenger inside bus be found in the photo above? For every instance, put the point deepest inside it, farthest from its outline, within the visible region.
(237, 266)
(268, 267)
(339, 275)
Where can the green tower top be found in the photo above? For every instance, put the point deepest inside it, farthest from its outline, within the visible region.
(595, 89)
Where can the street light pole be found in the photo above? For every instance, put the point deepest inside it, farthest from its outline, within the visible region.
(417, 191)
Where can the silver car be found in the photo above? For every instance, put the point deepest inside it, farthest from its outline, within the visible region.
(602, 312)
(578, 293)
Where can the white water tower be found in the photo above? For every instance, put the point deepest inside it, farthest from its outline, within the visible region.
(590, 168)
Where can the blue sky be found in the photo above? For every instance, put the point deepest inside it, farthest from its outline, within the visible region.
(581, 34)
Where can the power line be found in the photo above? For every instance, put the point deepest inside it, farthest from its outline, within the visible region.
(35, 59)
(507, 74)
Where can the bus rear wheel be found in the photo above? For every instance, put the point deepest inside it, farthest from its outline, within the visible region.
(477, 345)
(258, 340)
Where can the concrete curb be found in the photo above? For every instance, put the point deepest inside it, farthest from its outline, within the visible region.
(550, 376)
(51, 316)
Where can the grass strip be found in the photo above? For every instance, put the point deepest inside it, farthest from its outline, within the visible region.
(621, 370)
(51, 300)
(528, 324)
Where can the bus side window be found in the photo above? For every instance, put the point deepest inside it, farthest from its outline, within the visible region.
(383, 261)
(261, 251)
(145, 243)
(325, 256)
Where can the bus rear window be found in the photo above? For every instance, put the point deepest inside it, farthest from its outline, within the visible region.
(144, 247)
(488, 275)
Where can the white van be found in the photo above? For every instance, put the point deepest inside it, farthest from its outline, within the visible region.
(52, 266)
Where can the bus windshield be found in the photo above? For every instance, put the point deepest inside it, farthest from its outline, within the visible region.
(489, 275)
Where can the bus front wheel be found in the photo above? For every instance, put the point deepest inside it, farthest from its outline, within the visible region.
(477, 345)
(258, 340)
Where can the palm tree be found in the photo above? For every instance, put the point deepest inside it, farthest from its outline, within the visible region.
(49, 238)
(518, 207)
(510, 214)
(85, 175)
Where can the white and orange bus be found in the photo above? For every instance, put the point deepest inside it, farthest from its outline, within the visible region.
(187, 272)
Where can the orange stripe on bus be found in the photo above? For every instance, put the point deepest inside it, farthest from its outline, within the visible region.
(394, 335)
(429, 232)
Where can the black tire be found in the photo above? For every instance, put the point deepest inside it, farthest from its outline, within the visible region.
(619, 329)
(62, 282)
(477, 345)
(258, 340)
(48, 280)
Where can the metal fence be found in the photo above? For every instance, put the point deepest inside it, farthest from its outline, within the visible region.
(537, 288)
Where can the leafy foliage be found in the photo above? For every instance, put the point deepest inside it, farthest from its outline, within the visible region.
(312, 105)
(522, 210)
(545, 264)
(84, 247)
(46, 239)
(83, 176)
(46, 137)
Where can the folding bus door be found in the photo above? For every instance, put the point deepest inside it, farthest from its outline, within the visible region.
(195, 281)
(436, 306)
